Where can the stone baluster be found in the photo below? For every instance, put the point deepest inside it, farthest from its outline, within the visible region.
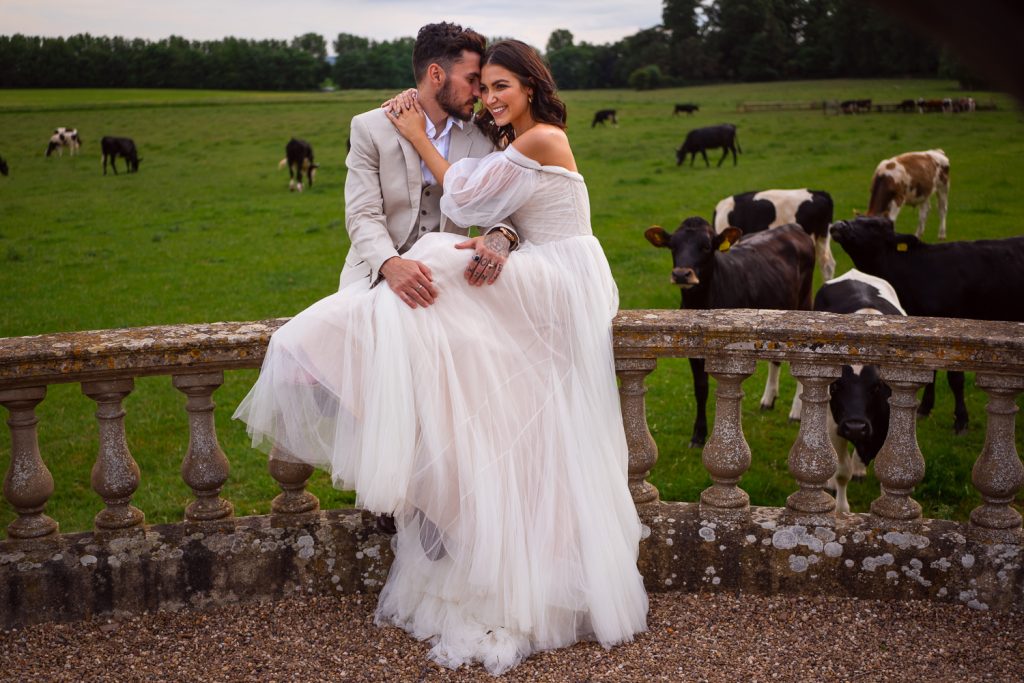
(205, 467)
(899, 465)
(726, 456)
(813, 459)
(643, 452)
(115, 476)
(291, 477)
(998, 473)
(28, 484)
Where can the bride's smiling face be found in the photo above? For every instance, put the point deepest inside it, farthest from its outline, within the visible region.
(504, 96)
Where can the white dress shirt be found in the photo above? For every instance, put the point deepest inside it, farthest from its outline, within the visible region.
(441, 143)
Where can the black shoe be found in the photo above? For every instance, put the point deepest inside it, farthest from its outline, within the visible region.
(386, 524)
(430, 539)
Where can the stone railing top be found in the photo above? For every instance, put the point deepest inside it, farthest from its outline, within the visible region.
(155, 350)
(944, 343)
(782, 335)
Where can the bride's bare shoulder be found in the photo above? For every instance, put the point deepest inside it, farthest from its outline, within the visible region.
(547, 145)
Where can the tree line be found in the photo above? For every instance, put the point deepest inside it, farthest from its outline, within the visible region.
(698, 41)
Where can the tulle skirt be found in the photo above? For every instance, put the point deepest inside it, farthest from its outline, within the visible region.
(489, 425)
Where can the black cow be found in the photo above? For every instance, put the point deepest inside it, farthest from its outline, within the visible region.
(712, 137)
(298, 155)
(124, 147)
(859, 399)
(603, 116)
(688, 108)
(756, 211)
(908, 106)
(3, 166)
(980, 280)
(772, 269)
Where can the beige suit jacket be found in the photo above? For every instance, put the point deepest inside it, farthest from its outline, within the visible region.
(383, 190)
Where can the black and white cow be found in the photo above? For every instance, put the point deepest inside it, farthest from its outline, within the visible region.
(64, 138)
(760, 210)
(859, 399)
(979, 280)
(114, 147)
(604, 115)
(298, 156)
(710, 137)
(3, 167)
(687, 108)
(772, 269)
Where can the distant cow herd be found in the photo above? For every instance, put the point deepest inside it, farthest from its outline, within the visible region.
(298, 154)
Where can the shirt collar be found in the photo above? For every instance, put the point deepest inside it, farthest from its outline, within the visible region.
(451, 120)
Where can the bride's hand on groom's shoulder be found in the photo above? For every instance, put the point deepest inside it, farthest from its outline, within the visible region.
(411, 122)
(401, 101)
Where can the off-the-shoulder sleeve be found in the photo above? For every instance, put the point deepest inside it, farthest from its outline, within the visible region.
(486, 190)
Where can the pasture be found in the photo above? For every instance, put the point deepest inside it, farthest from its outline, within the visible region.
(208, 231)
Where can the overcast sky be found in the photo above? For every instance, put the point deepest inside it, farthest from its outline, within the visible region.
(595, 21)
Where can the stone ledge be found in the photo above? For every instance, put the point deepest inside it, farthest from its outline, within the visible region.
(764, 552)
(169, 567)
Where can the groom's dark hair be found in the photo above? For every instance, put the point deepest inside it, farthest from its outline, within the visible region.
(442, 44)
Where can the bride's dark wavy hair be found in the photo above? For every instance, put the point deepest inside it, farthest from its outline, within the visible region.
(527, 66)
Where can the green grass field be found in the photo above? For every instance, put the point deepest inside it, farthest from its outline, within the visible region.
(207, 231)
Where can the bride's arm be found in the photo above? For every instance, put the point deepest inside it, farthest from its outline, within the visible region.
(412, 124)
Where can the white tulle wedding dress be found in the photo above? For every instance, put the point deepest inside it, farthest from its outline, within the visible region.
(487, 423)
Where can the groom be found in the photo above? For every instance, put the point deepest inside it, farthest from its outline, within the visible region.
(391, 198)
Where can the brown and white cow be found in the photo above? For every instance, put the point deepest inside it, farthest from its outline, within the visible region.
(911, 178)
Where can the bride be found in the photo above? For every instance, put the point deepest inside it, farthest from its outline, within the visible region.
(488, 423)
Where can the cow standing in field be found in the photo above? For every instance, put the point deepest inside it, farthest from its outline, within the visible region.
(771, 269)
(687, 108)
(855, 106)
(119, 147)
(64, 138)
(859, 399)
(3, 167)
(760, 210)
(911, 178)
(964, 104)
(603, 116)
(298, 156)
(979, 280)
(711, 137)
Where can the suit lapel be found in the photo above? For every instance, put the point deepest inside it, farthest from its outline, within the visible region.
(414, 174)
(460, 143)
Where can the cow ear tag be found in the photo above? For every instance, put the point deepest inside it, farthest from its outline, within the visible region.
(902, 246)
(724, 246)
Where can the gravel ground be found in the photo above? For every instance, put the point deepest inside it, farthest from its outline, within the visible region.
(692, 637)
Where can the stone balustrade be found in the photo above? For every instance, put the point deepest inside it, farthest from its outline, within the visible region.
(718, 542)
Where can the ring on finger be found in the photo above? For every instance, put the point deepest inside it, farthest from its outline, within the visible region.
(476, 257)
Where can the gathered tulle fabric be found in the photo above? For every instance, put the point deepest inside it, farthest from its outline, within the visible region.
(488, 424)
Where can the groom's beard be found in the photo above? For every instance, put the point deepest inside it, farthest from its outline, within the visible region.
(463, 111)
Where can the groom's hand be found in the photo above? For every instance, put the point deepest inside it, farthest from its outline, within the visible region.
(487, 263)
(411, 280)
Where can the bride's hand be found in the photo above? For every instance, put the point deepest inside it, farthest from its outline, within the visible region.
(411, 123)
(400, 102)
(491, 253)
